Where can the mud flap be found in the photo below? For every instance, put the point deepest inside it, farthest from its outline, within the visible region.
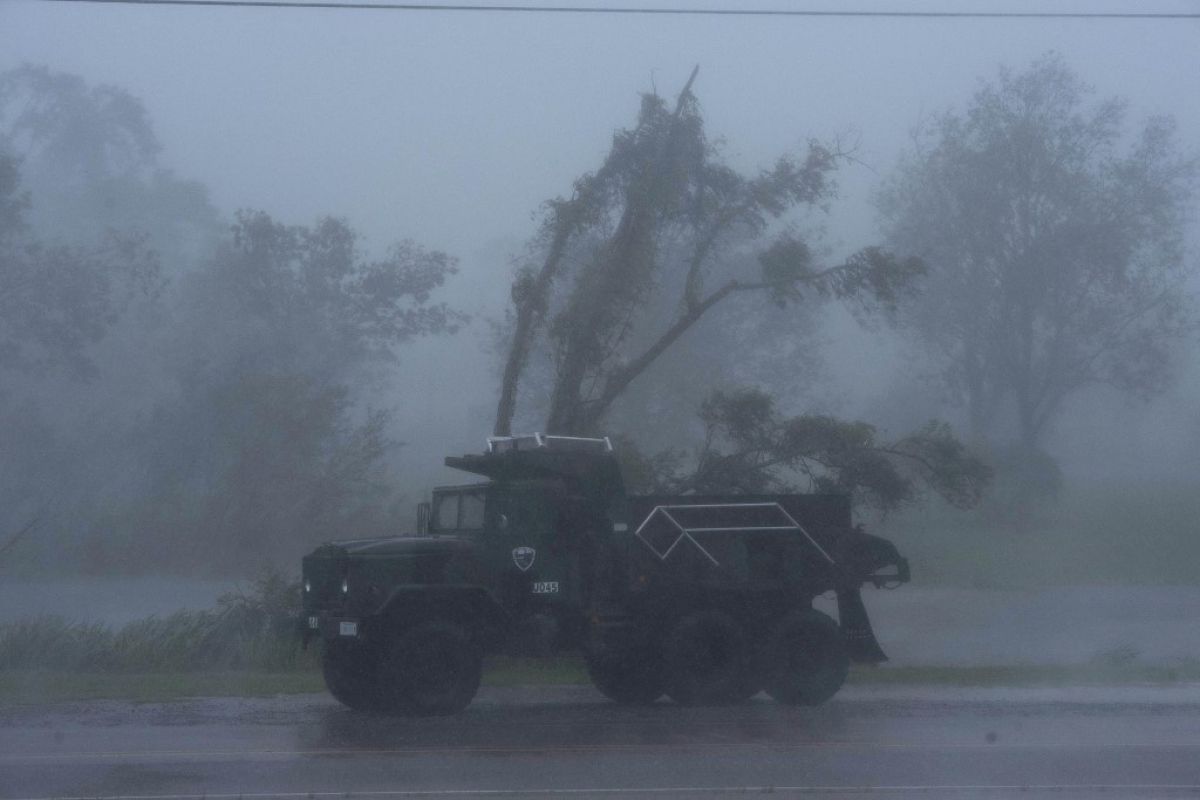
(861, 644)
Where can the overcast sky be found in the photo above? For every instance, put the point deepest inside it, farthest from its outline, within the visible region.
(451, 128)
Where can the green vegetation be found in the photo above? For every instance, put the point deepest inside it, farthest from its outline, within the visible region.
(249, 426)
(1092, 674)
(24, 686)
(510, 671)
(185, 641)
(253, 631)
(247, 646)
(1094, 534)
(35, 687)
(1103, 670)
(1054, 237)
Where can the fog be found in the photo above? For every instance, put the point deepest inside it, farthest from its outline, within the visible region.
(452, 130)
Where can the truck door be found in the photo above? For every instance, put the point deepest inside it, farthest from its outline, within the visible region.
(537, 555)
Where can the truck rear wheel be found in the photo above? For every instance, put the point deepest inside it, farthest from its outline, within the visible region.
(351, 672)
(707, 660)
(806, 660)
(635, 678)
(432, 668)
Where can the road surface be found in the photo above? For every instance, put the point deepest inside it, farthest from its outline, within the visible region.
(568, 742)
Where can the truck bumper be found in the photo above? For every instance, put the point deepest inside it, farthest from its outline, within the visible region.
(326, 626)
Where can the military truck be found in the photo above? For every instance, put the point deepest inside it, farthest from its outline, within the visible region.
(706, 599)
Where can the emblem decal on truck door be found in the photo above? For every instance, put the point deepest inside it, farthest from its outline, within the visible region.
(523, 558)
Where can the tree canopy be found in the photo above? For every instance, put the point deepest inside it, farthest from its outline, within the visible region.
(58, 301)
(178, 392)
(749, 447)
(656, 227)
(1054, 238)
(264, 442)
(90, 156)
(664, 232)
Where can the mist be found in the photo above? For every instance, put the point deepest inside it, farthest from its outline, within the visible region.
(451, 131)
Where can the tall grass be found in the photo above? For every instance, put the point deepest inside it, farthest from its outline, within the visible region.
(253, 630)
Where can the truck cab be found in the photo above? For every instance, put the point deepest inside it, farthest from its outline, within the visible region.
(528, 547)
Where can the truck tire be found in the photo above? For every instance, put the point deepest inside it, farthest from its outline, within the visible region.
(751, 683)
(431, 669)
(629, 679)
(351, 672)
(805, 659)
(706, 659)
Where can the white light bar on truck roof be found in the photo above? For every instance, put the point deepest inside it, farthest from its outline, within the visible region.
(538, 441)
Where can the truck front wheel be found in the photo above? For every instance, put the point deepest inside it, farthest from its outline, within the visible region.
(634, 678)
(351, 672)
(806, 661)
(432, 668)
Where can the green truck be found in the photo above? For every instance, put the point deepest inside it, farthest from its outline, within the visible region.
(705, 599)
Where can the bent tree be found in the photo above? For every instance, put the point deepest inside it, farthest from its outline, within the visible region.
(666, 223)
(663, 199)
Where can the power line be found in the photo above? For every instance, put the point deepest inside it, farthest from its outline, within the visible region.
(650, 11)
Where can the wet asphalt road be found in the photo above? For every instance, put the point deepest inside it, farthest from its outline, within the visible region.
(568, 741)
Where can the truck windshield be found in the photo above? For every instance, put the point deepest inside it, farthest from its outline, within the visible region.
(445, 512)
(458, 511)
(470, 515)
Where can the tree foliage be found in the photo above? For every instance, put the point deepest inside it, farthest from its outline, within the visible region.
(665, 214)
(227, 418)
(57, 301)
(663, 233)
(750, 448)
(90, 155)
(87, 132)
(59, 306)
(310, 293)
(264, 447)
(1056, 251)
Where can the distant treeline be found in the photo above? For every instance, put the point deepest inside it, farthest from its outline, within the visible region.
(186, 392)
(178, 392)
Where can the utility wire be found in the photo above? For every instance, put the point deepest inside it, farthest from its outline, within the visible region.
(649, 11)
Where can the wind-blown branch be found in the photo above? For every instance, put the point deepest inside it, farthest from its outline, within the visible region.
(751, 448)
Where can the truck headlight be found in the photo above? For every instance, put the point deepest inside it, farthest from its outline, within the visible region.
(307, 587)
(345, 586)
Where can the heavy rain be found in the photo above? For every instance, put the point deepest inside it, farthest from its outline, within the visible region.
(672, 399)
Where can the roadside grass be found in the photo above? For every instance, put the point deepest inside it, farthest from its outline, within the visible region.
(1027, 675)
(248, 646)
(39, 687)
(1095, 534)
(252, 631)
(568, 670)
(554, 671)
